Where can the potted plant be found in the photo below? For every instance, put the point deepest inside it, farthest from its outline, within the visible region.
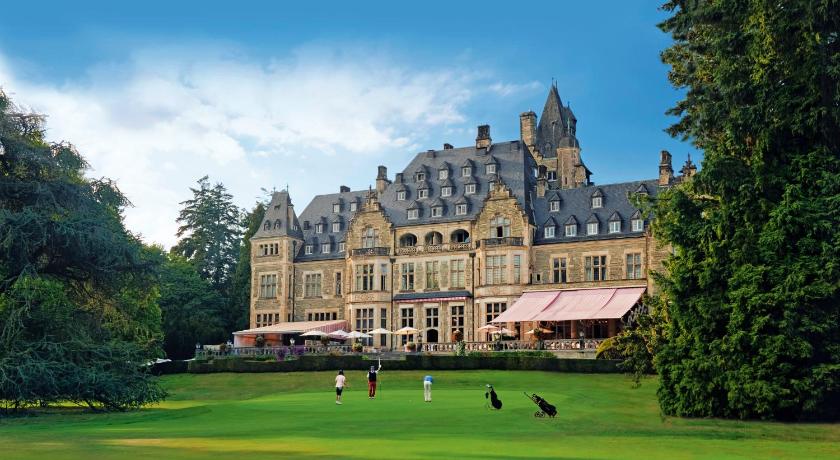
(325, 340)
(411, 347)
(259, 341)
(458, 336)
(538, 336)
(357, 347)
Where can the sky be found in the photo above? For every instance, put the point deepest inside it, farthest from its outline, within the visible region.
(313, 95)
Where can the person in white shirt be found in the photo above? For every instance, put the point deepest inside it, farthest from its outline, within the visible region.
(339, 386)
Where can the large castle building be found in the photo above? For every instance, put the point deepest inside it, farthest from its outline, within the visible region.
(461, 236)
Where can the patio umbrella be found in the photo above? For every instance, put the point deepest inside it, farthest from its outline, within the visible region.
(339, 334)
(543, 330)
(314, 334)
(488, 327)
(408, 330)
(357, 335)
(380, 331)
(503, 331)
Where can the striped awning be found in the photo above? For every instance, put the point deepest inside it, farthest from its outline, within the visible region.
(296, 327)
(572, 304)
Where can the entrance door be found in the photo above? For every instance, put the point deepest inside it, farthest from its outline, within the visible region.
(431, 335)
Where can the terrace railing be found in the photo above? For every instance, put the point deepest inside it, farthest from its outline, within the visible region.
(432, 248)
(512, 345)
(375, 251)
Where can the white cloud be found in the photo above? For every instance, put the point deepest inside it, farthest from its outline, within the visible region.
(507, 89)
(162, 118)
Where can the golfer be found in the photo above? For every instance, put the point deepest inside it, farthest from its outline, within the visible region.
(339, 385)
(427, 388)
(372, 381)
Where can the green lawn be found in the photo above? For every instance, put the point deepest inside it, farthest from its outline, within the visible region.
(258, 416)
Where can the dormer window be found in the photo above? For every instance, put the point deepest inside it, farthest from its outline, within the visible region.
(548, 232)
(267, 225)
(337, 208)
(443, 174)
(637, 225)
(423, 193)
(592, 228)
(460, 209)
(277, 224)
(469, 189)
(413, 214)
(308, 249)
(437, 211)
(446, 191)
(597, 202)
(319, 228)
(571, 230)
(466, 171)
(401, 195)
(295, 227)
(554, 205)
(325, 248)
(552, 176)
(615, 226)
(353, 206)
(336, 227)
(421, 177)
(341, 246)
(490, 169)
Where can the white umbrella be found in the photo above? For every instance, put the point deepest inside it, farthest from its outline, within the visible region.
(339, 334)
(408, 330)
(544, 331)
(380, 331)
(488, 327)
(357, 335)
(503, 331)
(314, 334)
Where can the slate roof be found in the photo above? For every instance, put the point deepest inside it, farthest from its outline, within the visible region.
(576, 207)
(556, 125)
(320, 210)
(279, 218)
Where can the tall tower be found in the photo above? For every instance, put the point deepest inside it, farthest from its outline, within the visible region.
(273, 250)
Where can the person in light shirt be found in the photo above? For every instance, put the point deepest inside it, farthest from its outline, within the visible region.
(427, 388)
(340, 381)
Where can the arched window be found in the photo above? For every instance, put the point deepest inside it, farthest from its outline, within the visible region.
(408, 240)
(369, 238)
(267, 225)
(277, 224)
(460, 236)
(500, 227)
(433, 238)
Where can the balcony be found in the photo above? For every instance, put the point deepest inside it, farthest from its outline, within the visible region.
(504, 241)
(432, 248)
(365, 252)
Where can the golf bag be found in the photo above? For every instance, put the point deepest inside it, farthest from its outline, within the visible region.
(494, 399)
(545, 407)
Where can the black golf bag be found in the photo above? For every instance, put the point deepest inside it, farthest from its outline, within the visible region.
(546, 408)
(494, 399)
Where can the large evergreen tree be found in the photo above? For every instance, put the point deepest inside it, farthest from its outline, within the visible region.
(754, 285)
(241, 293)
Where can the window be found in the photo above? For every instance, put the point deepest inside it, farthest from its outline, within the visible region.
(421, 177)
(341, 246)
(325, 248)
(496, 267)
(456, 319)
(308, 249)
(595, 268)
(423, 193)
(295, 226)
(597, 202)
(401, 195)
(337, 283)
(407, 278)
(559, 270)
(615, 226)
(592, 228)
(446, 191)
(634, 266)
(638, 225)
(268, 286)
(432, 318)
(501, 227)
(369, 238)
(549, 232)
(493, 310)
(353, 206)
(443, 174)
(460, 209)
(312, 285)
(466, 171)
(552, 176)
(336, 227)
(456, 273)
(490, 169)
(554, 205)
(319, 228)
(364, 322)
(571, 230)
(364, 277)
(517, 268)
(437, 211)
(432, 281)
(383, 277)
(337, 208)
(271, 249)
(469, 189)
(383, 323)
(413, 214)
(407, 320)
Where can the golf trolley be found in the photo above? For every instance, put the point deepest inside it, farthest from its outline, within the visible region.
(545, 407)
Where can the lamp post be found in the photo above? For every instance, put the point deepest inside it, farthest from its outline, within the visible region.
(197, 349)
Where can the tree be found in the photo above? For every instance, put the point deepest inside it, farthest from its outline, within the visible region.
(78, 302)
(754, 285)
(241, 292)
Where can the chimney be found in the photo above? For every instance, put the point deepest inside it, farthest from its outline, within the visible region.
(398, 178)
(528, 128)
(343, 189)
(382, 179)
(542, 181)
(430, 153)
(306, 225)
(666, 172)
(482, 141)
(447, 146)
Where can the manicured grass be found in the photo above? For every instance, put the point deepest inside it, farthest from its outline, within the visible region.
(258, 416)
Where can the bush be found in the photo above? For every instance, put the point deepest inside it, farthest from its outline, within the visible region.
(411, 346)
(608, 350)
(259, 341)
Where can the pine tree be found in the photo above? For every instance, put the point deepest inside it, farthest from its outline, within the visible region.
(754, 285)
(241, 292)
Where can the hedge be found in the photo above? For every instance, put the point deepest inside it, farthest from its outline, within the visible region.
(411, 362)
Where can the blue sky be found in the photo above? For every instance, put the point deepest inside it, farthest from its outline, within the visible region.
(313, 95)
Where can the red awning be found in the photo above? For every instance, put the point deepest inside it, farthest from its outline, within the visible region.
(296, 327)
(574, 304)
